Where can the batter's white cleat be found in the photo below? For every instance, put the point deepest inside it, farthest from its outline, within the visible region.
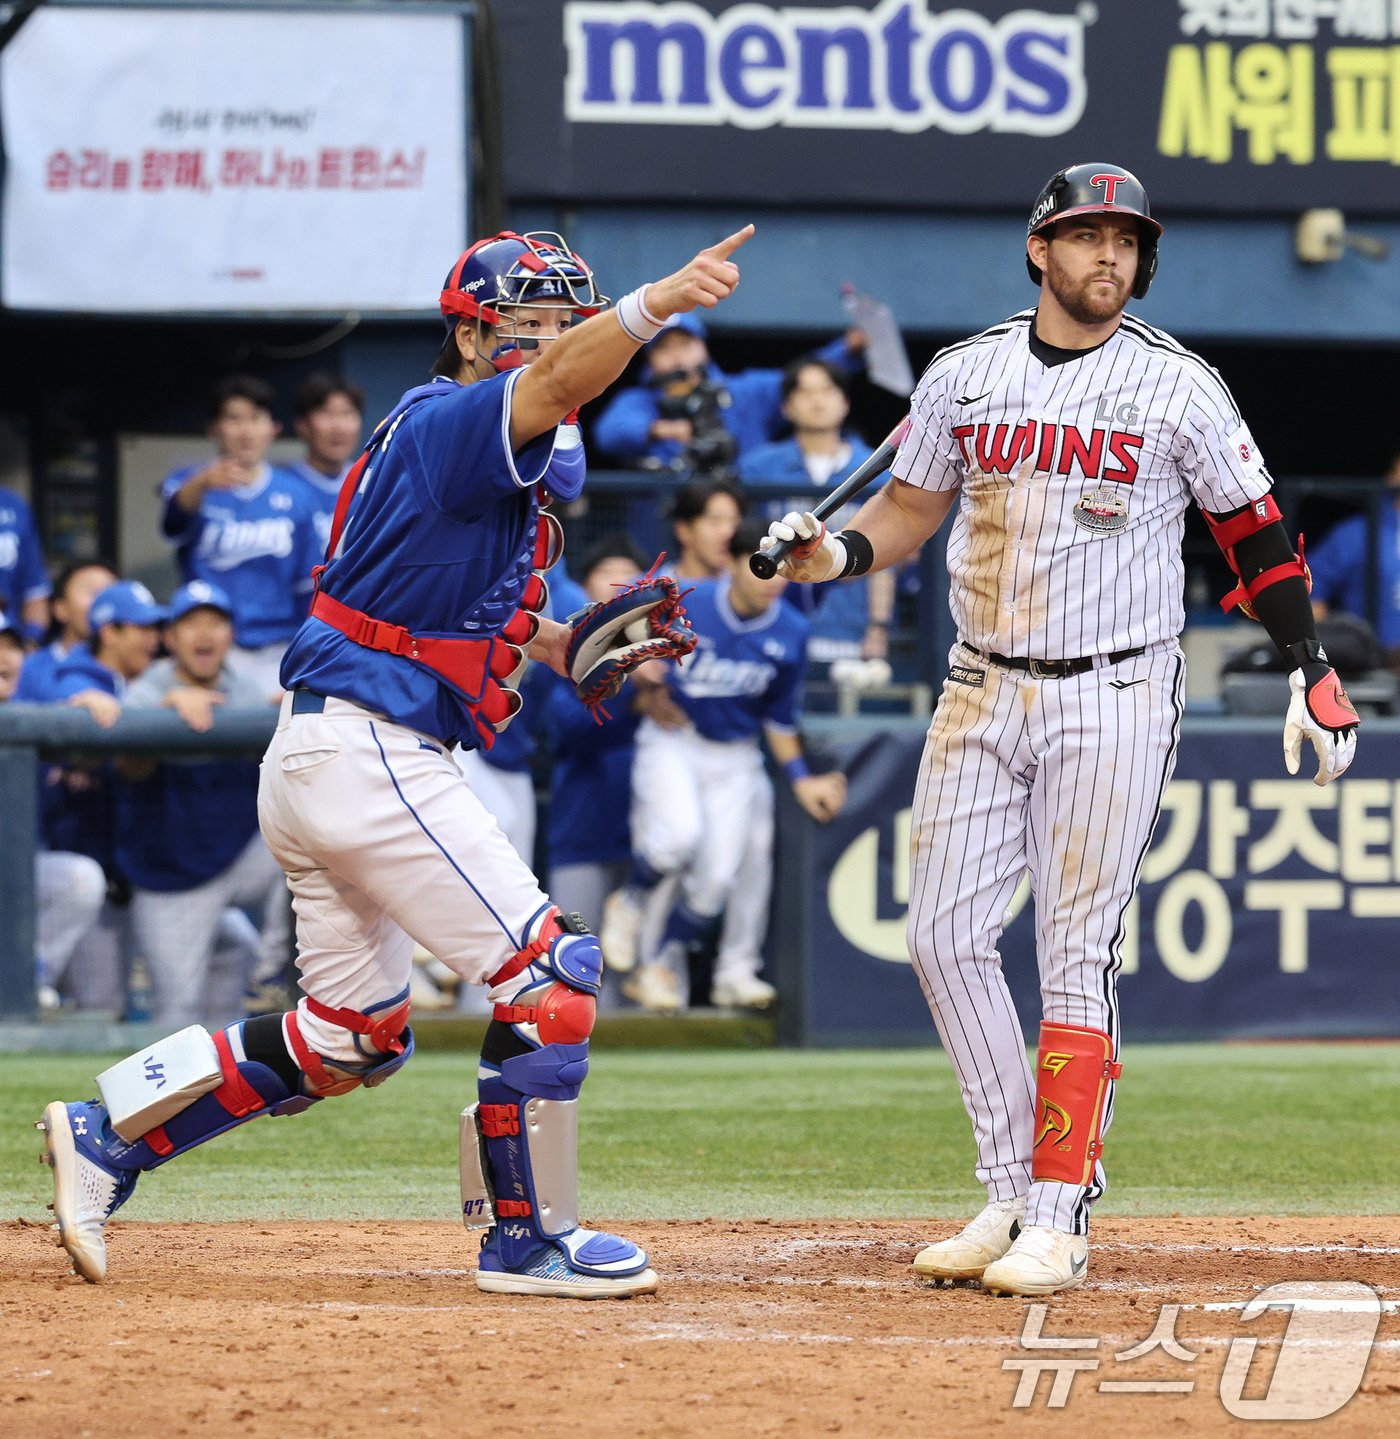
(86, 1191)
(746, 991)
(1041, 1261)
(982, 1242)
(621, 931)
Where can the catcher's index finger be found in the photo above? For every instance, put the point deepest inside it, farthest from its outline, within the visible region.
(726, 248)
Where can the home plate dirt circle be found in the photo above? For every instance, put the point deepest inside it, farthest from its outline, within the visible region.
(268, 1330)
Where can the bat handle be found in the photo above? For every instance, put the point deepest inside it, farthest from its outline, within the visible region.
(764, 563)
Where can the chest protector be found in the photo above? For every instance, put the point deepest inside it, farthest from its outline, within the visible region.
(483, 666)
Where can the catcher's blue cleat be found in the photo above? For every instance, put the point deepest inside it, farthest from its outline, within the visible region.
(581, 1265)
(88, 1188)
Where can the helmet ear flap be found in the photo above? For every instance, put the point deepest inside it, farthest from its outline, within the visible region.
(1147, 263)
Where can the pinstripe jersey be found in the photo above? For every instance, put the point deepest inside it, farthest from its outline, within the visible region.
(1074, 479)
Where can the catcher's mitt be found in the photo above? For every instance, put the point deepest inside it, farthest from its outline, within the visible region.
(642, 621)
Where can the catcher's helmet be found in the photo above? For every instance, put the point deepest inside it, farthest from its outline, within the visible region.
(509, 270)
(1098, 190)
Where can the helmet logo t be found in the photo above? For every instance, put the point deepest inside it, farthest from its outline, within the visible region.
(1109, 182)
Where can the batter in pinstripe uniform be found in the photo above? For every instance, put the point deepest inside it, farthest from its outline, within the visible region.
(1071, 437)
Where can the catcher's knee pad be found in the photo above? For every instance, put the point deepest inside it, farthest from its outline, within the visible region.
(1073, 1072)
(556, 946)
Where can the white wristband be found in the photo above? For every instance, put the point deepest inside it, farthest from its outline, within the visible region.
(634, 317)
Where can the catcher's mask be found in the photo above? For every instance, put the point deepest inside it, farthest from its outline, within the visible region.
(501, 275)
(1098, 190)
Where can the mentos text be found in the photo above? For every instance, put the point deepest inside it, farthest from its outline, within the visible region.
(1055, 449)
(900, 66)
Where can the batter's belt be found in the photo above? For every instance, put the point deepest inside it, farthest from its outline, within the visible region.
(1054, 669)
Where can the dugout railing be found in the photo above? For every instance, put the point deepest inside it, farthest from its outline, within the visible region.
(635, 503)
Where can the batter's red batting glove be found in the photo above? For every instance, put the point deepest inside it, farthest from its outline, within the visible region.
(1320, 712)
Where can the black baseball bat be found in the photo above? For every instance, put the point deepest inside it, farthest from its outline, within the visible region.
(764, 562)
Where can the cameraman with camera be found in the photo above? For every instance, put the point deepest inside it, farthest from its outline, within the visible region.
(689, 417)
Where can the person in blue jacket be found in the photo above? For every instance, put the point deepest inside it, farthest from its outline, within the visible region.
(74, 591)
(850, 619)
(1341, 566)
(78, 808)
(24, 582)
(247, 526)
(187, 830)
(689, 416)
(125, 620)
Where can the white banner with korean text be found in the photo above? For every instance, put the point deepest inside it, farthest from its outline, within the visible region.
(176, 161)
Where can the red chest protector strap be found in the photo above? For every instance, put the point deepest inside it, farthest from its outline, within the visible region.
(472, 666)
(466, 663)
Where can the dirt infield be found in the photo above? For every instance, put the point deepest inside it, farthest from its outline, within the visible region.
(338, 1331)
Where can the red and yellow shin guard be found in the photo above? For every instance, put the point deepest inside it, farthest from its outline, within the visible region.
(1072, 1073)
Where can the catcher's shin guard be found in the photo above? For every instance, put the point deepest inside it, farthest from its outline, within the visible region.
(192, 1086)
(1073, 1070)
(185, 1089)
(520, 1140)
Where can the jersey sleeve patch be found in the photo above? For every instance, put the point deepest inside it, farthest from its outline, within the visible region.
(1244, 456)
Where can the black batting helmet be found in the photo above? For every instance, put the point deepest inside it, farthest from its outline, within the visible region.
(1098, 190)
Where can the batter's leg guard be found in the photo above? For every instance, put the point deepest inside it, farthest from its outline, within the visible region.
(184, 1090)
(520, 1140)
(1074, 1069)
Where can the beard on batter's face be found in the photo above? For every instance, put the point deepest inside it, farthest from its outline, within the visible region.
(1086, 299)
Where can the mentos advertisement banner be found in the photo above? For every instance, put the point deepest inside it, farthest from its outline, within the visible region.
(1268, 906)
(1218, 104)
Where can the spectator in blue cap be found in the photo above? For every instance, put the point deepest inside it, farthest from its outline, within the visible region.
(79, 802)
(125, 623)
(187, 831)
(689, 416)
(69, 889)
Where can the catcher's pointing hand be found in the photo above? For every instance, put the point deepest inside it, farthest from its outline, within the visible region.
(1321, 713)
(818, 554)
(709, 278)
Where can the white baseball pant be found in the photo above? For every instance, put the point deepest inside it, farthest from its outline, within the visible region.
(509, 795)
(69, 892)
(702, 809)
(1064, 778)
(384, 844)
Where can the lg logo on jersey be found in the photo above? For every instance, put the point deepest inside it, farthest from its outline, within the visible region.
(1124, 414)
